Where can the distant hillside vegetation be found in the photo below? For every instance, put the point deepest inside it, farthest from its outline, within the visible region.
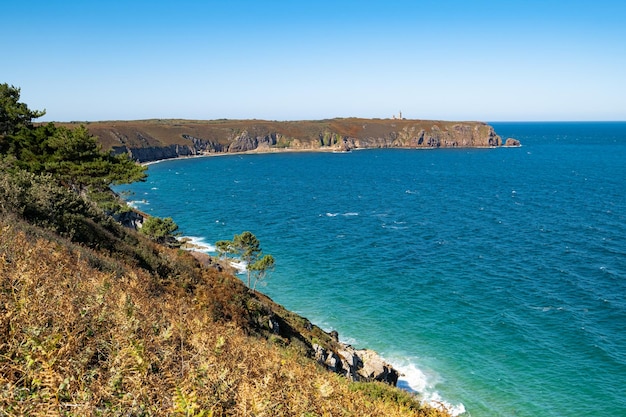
(150, 140)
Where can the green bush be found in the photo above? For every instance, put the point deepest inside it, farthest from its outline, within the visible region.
(161, 230)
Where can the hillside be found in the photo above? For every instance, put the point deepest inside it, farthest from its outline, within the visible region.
(150, 140)
(97, 318)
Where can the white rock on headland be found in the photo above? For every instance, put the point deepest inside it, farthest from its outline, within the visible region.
(357, 364)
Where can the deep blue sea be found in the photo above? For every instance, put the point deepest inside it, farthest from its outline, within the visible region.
(495, 279)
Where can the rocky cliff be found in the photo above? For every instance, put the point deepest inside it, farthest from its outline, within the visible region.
(151, 140)
(362, 365)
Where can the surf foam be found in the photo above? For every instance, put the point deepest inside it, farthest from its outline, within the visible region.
(198, 244)
(415, 380)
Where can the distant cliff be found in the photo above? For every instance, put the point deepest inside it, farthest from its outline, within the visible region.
(151, 140)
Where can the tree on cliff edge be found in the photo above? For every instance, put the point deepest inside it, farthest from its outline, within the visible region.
(247, 247)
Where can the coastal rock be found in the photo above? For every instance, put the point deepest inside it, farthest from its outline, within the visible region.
(351, 363)
(328, 359)
(376, 369)
(206, 260)
(243, 143)
(274, 326)
(510, 142)
(155, 153)
(357, 365)
(204, 145)
(246, 142)
(319, 353)
(130, 219)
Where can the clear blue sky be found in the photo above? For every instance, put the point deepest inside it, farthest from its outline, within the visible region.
(292, 60)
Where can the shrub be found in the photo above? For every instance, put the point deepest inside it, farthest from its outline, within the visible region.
(161, 230)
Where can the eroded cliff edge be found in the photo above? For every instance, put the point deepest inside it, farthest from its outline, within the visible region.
(151, 140)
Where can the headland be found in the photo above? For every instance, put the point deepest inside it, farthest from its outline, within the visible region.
(158, 139)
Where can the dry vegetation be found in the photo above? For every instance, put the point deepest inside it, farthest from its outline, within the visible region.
(83, 334)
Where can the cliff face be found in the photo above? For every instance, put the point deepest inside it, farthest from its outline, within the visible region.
(150, 140)
(463, 135)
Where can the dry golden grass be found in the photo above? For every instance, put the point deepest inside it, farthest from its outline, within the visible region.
(79, 341)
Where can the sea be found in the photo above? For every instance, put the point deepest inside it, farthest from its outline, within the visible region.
(493, 279)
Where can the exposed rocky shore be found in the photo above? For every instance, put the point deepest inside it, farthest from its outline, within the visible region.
(153, 140)
(341, 358)
(363, 365)
(357, 364)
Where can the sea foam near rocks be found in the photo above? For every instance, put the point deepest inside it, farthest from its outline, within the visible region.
(415, 380)
(198, 244)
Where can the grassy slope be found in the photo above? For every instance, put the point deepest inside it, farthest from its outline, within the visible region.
(128, 327)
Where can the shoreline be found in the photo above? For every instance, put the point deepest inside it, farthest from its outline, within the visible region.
(411, 378)
(309, 150)
(253, 152)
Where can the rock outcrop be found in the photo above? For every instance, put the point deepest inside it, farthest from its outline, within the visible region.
(510, 142)
(356, 364)
(287, 328)
(155, 153)
(130, 218)
(246, 142)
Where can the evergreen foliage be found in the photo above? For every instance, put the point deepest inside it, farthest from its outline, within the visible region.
(14, 116)
(247, 247)
(73, 156)
(161, 230)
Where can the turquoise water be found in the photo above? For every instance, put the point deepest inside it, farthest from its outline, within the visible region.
(495, 279)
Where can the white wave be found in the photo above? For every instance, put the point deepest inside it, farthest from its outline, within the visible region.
(136, 203)
(412, 379)
(239, 265)
(415, 380)
(436, 401)
(348, 214)
(198, 243)
(391, 227)
(151, 162)
(546, 308)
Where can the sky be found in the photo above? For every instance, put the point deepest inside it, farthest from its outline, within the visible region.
(301, 60)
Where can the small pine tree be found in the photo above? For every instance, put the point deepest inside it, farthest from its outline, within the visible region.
(247, 247)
